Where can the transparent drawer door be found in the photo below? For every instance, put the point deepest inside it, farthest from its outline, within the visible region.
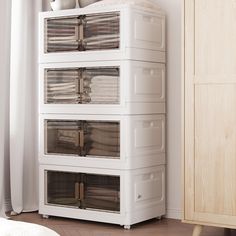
(81, 190)
(83, 138)
(101, 192)
(82, 33)
(101, 31)
(63, 137)
(61, 34)
(63, 188)
(95, 85)
(61, 86)
(102, 139)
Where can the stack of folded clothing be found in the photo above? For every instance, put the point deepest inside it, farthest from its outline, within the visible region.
(61, 188)
(103, 139)
(104, 89)
(102, 192)
(64, 135)
(68, 137)
(62, 34)
(102, 198)
(102, 32)
(61, 86)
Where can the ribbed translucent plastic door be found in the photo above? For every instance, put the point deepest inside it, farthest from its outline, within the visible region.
(63, 188)
(93, 85)
(94, 139)
(101, 192)
(101, 31)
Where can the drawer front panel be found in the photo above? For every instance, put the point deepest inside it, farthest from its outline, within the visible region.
(82, 138)
(82, 190)
(90, 85)
(90, 32)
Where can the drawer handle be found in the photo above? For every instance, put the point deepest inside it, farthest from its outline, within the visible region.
(81, 191)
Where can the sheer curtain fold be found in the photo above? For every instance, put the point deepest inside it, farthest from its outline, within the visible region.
(18, 46)
(23, 105)
(5, 26)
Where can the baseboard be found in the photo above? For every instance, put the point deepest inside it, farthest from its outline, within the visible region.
(8, 205)
(173, 213)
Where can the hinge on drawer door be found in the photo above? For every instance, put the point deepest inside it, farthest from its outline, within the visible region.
(81, 88)
(83, 25)
(77, 86)
(81, 141)
(77, 194)
(82, 191)
(81, 33)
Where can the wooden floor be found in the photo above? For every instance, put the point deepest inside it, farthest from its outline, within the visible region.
(165, 227)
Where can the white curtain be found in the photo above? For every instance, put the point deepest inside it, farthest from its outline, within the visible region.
(5, 27)
(23, 104)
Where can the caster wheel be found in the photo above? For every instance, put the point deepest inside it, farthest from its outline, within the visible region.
(13, 213)
(127, 227)
(45, 216)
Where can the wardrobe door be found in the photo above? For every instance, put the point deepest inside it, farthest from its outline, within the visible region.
(210, 111)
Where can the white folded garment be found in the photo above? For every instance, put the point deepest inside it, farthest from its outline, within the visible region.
(106, 78)
(151, 4)
(16, 228)
(104, 94)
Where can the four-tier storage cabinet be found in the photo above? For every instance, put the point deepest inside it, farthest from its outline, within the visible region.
(102, 113)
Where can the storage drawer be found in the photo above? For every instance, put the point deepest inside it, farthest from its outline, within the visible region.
(102, 87)
(82, 138)
(117, 196)
(116, 33)
(100, 141)
(82, 32)
(82, 190)
(86, 85)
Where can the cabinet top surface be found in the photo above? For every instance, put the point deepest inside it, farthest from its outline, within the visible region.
(106, 6)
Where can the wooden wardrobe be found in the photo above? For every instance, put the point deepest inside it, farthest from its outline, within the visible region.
(209, 113)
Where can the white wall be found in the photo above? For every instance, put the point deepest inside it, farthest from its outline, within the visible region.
(173, 13)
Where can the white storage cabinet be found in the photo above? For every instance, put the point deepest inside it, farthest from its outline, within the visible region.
(102, 114)
(104, 195)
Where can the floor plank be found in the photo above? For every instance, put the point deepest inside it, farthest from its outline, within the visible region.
(69, 227)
